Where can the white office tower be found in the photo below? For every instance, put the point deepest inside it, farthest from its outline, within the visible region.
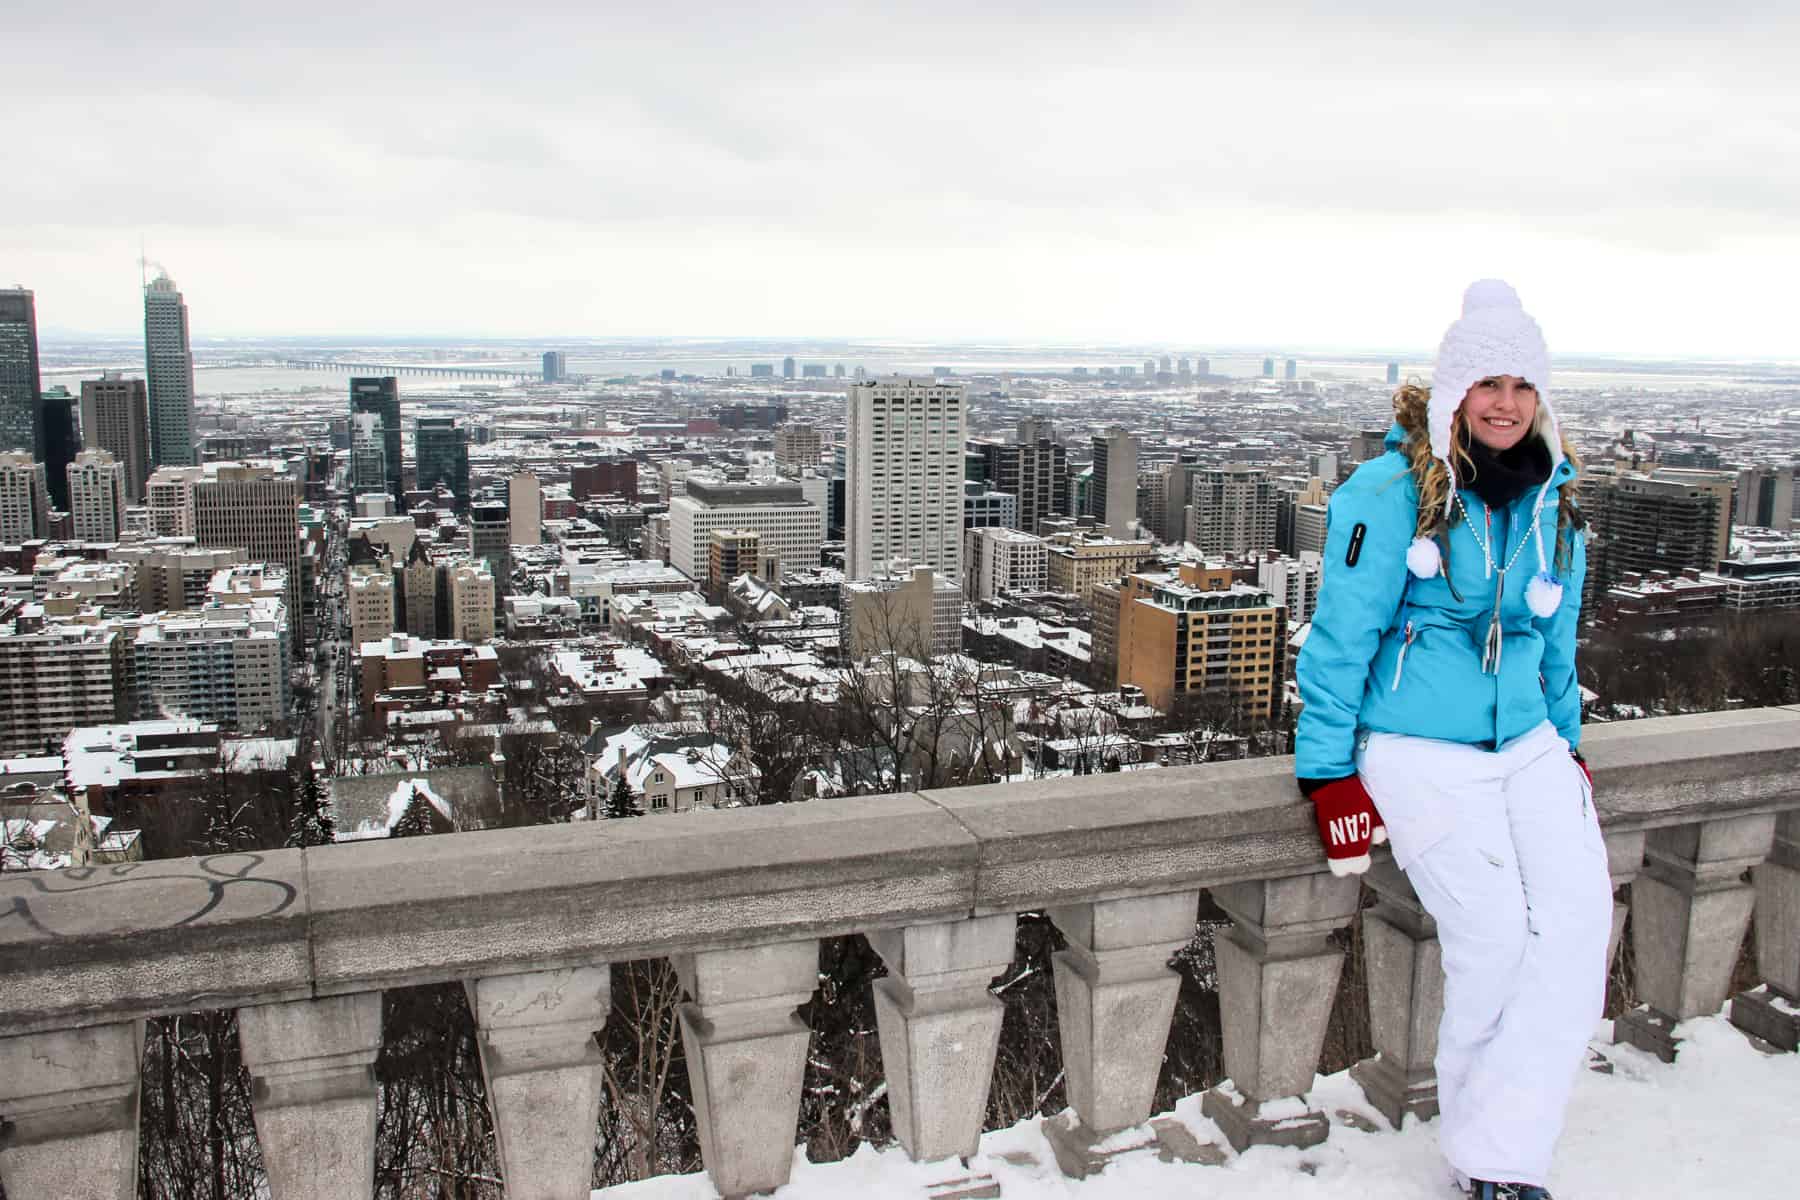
(169, 366)
(97, 496)
(24, 498)
(1113, 497)
(1003, 561)
(525, 497)
(904, 468)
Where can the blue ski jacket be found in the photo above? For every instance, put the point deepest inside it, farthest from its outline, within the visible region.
(1391, 653)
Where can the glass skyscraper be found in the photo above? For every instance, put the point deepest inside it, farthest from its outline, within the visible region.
(381, 395)
(169, 365)
(21, 420)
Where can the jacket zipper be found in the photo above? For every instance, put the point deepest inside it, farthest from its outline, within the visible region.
(1400, 661)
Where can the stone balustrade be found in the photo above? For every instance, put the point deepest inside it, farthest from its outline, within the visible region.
(302, 943)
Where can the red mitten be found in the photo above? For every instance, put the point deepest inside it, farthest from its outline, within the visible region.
(1348, 824)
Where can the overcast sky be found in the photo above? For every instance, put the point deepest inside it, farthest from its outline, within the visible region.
(1319, 175)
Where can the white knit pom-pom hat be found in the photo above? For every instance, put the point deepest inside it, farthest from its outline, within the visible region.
(1495, 336)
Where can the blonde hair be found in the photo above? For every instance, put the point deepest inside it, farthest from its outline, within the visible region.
(1412, 405)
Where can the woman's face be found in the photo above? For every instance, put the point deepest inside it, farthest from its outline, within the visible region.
(1500, 411)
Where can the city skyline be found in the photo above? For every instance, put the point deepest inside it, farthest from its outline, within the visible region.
(1291, 176)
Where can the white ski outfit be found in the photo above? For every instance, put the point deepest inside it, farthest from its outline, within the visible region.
(1440, 680)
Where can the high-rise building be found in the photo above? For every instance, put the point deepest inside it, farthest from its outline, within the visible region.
(471, 589)
(419, 582)
(169, 495)
(490, 541)
(1178, 494)
(58, 677)
(1203, 367)
(787, 367)
(61, 442)
(1291, 370)
(24, 498)
(225, 662)
(1035, 470)
(1233, 511)
(997, 560)
(1183, 643)
(169, 365)
(1666, 520)
(790, 527)
(381, 395)
(525, 505)
(1268, 368)
(114, 418)
(20, 407)
(21, 417)
(1113, 494)
(1393, 373)
(1292, 582)
(251, 507)
(371, 596)
(441, 451)
(556, 366)
(797, 447)
(368, 455)
(904, 476)
(1765, 497)
(173, 573)
(96, 485)
(983, 509)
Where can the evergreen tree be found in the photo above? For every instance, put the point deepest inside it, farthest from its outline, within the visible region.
(312, 824)
(621, 801)
(417, 819)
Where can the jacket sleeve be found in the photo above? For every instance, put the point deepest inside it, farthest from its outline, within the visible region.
(1369, 526)
(1562, 687)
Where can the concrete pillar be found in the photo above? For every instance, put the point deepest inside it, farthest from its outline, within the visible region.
(1772, 1011)
(312, 1084)
(746, 1053)
(1278, 977)
(940, 1029)
(1405, 971)
(69, 1113)
(1689, 910)
(1115, 997)
(543, 1069)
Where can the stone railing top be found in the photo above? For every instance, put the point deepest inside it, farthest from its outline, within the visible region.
(99, 944)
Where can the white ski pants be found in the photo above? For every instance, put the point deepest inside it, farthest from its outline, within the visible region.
(1503, 848)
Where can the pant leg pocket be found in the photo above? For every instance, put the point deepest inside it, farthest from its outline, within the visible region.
(1401, 775)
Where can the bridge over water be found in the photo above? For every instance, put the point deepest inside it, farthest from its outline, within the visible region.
(360, 368)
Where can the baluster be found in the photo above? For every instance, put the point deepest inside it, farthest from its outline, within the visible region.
(746, 1053)
(940, 1029)
(1278, 976)
(313, 1088)
(1689, 910)
(1115, 998)
(543, 1069)
(69, 1112)
(1405, 970)
(1772, 1011)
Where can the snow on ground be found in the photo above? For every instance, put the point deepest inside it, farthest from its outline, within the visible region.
(1722, 1121)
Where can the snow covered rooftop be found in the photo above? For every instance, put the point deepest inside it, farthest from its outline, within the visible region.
(1720, 1122)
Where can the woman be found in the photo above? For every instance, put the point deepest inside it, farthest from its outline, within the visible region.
(1442, 711)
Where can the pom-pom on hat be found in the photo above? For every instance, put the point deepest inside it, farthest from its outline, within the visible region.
(1494, 336)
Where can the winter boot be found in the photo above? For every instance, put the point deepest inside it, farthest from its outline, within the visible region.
(1481, 1189)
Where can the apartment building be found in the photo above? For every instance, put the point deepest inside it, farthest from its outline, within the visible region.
(904, 476)
(56, 677)
(225, 663)
(999, 561)
(96, 496)
(1181, 643)
(1076, 563)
